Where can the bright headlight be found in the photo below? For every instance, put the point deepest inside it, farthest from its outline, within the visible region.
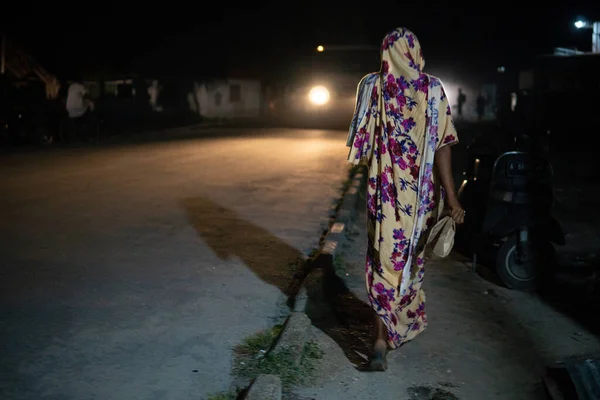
(318, 95)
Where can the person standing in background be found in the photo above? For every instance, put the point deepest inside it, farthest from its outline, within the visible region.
(462, 99)
(154, 93)
(78, 101)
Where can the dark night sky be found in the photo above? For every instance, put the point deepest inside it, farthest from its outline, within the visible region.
(268, 35)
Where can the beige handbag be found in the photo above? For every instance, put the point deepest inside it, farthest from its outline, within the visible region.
(441, 238)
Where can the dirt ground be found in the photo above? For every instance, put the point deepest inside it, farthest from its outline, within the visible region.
(483, 341)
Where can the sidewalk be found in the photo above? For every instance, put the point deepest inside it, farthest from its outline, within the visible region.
(483, 341)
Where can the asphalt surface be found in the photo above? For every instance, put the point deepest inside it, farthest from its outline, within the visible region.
(130, 271)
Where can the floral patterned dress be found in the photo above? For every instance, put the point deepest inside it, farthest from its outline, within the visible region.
(407, 120)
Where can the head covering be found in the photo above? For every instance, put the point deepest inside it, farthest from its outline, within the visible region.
(402, 53)
(398, 98)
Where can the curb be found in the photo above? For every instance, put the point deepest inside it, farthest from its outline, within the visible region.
(294, 335)
(296, 330)
(265, 387)
(336, 236)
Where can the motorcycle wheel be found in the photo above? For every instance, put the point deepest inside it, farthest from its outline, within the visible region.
(523, 273)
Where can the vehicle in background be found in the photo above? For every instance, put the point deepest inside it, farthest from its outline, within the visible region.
(323, 92)
(509, 218)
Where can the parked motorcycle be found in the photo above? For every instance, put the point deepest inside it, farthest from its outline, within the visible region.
(508, 200)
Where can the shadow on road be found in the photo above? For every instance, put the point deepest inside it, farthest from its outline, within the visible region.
(335, 310)
(331, 306)
(228, 235)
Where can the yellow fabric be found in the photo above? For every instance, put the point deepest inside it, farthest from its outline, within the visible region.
(390, 141)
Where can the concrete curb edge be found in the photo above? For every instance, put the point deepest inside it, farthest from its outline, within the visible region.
(296, 330)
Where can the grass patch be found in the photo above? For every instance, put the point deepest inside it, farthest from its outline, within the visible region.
(259, 344)
(253, 358)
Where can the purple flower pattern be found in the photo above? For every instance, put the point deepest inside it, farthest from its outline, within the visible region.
(400, 190)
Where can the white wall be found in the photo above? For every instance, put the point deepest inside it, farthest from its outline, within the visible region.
(248, 106)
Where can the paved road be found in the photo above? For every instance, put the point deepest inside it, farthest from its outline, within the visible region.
(129, 272)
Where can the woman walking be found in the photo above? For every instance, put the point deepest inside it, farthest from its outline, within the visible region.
(403, 132)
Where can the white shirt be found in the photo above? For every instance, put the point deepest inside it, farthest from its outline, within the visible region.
(76, 102)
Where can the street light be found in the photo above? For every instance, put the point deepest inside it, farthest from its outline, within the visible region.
(581, 24)
(320, 49)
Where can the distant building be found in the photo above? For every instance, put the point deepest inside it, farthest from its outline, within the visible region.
(231, 98)
(224, 98)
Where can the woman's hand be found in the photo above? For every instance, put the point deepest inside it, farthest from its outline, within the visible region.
(443, 163)
(456, 211)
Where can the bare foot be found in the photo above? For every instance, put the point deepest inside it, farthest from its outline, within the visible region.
(378, 360)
